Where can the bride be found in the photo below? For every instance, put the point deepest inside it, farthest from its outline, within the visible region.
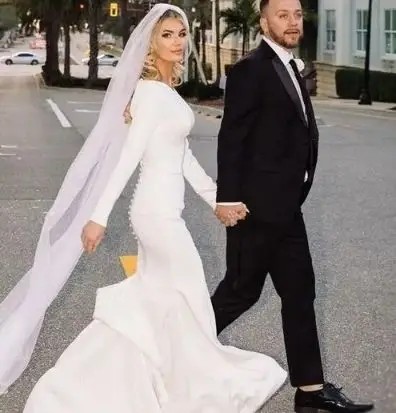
(152, 346)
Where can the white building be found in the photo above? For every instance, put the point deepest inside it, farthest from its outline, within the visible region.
(342, 33)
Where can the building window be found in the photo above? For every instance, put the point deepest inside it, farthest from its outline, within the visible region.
(330, 29)
(361, 30)
(390, 31)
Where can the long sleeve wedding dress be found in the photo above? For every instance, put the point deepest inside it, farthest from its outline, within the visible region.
(152, 346)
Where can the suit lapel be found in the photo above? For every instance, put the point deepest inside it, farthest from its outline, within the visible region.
(289, 86)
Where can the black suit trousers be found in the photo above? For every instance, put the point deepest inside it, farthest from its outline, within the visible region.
(255, 249)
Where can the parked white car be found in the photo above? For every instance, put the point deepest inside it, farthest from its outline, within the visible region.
(22, 58)
(104, 60)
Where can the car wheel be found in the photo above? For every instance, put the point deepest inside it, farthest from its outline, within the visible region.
(8, 62)
(114, 64)
(34, 62)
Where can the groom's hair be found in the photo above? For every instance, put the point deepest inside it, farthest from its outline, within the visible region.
(263, 5)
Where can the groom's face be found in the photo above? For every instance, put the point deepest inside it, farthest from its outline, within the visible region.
(282, 21)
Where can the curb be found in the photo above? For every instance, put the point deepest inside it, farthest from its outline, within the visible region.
(112, 49)
(354, 106)
(40, 81)
(218, 113)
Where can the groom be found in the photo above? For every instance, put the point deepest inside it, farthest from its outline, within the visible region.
(267, 155)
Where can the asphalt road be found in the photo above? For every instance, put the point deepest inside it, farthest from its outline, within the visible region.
(350, 215)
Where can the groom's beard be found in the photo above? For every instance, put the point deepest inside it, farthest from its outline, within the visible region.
(281, 40)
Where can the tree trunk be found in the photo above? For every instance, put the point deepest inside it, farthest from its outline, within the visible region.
(218, 51)
(51, 70)
(197, 41)
(66, 29)
(243, 43)
(247, 39)
(125, 22)
(203, 42)
(93, 42)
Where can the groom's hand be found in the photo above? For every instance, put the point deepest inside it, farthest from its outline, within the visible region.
(229, 215)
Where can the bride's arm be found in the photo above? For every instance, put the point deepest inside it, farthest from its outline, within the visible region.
(202, 184)
(142, 127)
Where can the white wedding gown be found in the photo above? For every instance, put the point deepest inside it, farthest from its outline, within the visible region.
(152, 346)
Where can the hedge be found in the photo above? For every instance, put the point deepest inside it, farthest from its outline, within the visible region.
(349, 83)
(187, 90)
(199, 90)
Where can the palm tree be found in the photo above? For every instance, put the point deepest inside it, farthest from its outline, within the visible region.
(94, 9)
(51, 12)
(217, 40)
(240, 19)
(27, 15)
(124, 21)
(204, 17)
(72, 14)
(8, 18)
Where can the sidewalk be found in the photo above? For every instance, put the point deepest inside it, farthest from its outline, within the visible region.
(353, 104)
(215, 108)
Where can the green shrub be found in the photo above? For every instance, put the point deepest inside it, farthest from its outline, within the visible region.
(187, 89)
(208, 71)
(207, 92)
(227, 69)
(349, 83)
(196, 89)
(61, 81)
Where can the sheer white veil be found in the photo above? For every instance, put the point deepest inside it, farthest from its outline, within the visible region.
(59, 247)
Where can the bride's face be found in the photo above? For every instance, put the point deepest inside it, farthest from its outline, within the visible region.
(170, 40)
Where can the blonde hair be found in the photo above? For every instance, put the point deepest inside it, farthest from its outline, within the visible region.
(150, 71)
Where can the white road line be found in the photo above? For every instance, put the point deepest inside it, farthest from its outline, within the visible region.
(86, 111)
(8, 146)
(7, 154)
(59, 114)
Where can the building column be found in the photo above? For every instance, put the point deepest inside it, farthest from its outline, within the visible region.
(344, 35)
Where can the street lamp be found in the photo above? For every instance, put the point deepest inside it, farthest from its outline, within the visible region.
(365, 98)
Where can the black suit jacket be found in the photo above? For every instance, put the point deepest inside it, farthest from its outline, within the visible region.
(265, 145)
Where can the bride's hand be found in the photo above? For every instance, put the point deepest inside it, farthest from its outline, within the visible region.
(91, 236)
(127, 115)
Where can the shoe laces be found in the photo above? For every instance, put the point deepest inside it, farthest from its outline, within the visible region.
(335, 389)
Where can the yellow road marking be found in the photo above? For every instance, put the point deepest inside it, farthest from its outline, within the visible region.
(129, 264)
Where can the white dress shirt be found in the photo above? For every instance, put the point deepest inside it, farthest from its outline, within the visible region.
(285, 56)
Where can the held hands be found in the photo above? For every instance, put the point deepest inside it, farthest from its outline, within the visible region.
(229, 215)
(91, 236)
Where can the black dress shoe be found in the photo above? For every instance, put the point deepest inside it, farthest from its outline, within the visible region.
(329, 399)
